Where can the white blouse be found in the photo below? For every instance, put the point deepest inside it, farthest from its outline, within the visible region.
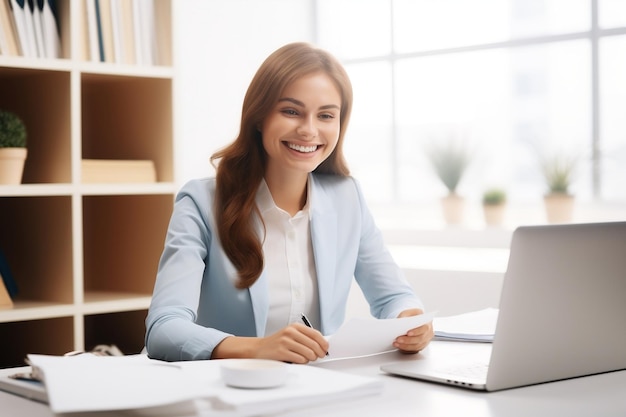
(289, 264)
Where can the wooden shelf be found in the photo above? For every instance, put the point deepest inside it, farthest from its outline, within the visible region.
(35, 310)
(84, 256)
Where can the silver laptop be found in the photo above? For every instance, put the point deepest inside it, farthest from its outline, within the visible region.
(561, 316)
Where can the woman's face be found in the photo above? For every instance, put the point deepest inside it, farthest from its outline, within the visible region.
(302, 129)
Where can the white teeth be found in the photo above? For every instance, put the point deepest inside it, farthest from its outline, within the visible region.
(300, 148)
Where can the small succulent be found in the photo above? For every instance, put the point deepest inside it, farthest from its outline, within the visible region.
(12, 131)
(494, 196)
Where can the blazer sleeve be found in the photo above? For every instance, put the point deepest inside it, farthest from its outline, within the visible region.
(171, 329)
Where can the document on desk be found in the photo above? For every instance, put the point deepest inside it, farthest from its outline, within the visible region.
(368, 336)
(475, 326)
(146, 387)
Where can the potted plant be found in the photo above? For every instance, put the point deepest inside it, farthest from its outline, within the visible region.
(450, 161)
(12, 148)
(494, 204)
(558, 172)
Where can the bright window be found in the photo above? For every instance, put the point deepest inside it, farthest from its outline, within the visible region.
(515, 80)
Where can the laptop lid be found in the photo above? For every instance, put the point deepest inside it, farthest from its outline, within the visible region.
(561, 312)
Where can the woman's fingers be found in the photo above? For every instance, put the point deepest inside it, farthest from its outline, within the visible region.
(295, 343)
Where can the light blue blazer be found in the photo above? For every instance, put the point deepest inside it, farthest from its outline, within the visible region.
(196, 305)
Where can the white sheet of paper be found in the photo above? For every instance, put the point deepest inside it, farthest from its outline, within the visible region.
(369, 336)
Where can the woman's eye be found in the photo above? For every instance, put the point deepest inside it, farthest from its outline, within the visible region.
(327, 116)
(290, 112)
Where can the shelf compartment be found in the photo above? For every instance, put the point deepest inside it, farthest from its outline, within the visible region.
(50, 337)
(41, 98)
(123, 240)
(37, 241)
(128, 118)
(126, 330)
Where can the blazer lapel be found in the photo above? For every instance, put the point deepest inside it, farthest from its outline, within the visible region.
(259, 298)
(324, 242)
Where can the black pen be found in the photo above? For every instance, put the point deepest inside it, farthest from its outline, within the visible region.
(307, 323)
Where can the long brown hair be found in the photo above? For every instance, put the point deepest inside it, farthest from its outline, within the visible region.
(242, 163)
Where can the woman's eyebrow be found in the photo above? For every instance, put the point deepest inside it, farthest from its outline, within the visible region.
(301, 104)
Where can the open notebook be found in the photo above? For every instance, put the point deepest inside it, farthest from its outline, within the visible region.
(561, 312)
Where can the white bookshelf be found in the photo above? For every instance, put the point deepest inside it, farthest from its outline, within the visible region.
(85, 256)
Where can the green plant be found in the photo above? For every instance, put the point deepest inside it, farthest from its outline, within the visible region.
(558, 172)
(12, 131)
(450, 160)
(494, 196)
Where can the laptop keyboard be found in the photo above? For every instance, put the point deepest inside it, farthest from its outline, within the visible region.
(477, 371)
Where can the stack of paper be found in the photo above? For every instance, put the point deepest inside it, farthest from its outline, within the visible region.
(476, 326)
(88, 383)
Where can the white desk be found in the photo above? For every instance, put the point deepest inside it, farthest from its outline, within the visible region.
(598, 396)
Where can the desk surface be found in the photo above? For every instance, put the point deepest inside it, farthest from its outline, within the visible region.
(597, 395)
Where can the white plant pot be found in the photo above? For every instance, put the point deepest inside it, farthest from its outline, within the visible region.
(12, 165)
(494, 214)
(559, 208)
(453, 207)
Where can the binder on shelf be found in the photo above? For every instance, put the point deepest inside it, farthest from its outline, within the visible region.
(51, 36)
(35, 14)
(29, 24)
(117, 171)
(7, 277)
(9, 43)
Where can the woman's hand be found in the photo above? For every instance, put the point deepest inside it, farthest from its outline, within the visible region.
(295, 343)
(415, 339)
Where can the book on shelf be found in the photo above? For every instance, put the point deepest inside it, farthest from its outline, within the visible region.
(7, 276)
(117, 171)
(98, 28)
(126, 28)
(5, 298)
(106, 30)
(116, 30)
(91, 29)
(9, 43)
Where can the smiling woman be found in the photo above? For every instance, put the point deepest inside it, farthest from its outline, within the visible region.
(279, 233)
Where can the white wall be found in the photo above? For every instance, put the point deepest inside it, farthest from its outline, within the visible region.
(218, 45)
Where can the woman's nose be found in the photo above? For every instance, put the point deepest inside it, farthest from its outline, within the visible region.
(308, 128)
